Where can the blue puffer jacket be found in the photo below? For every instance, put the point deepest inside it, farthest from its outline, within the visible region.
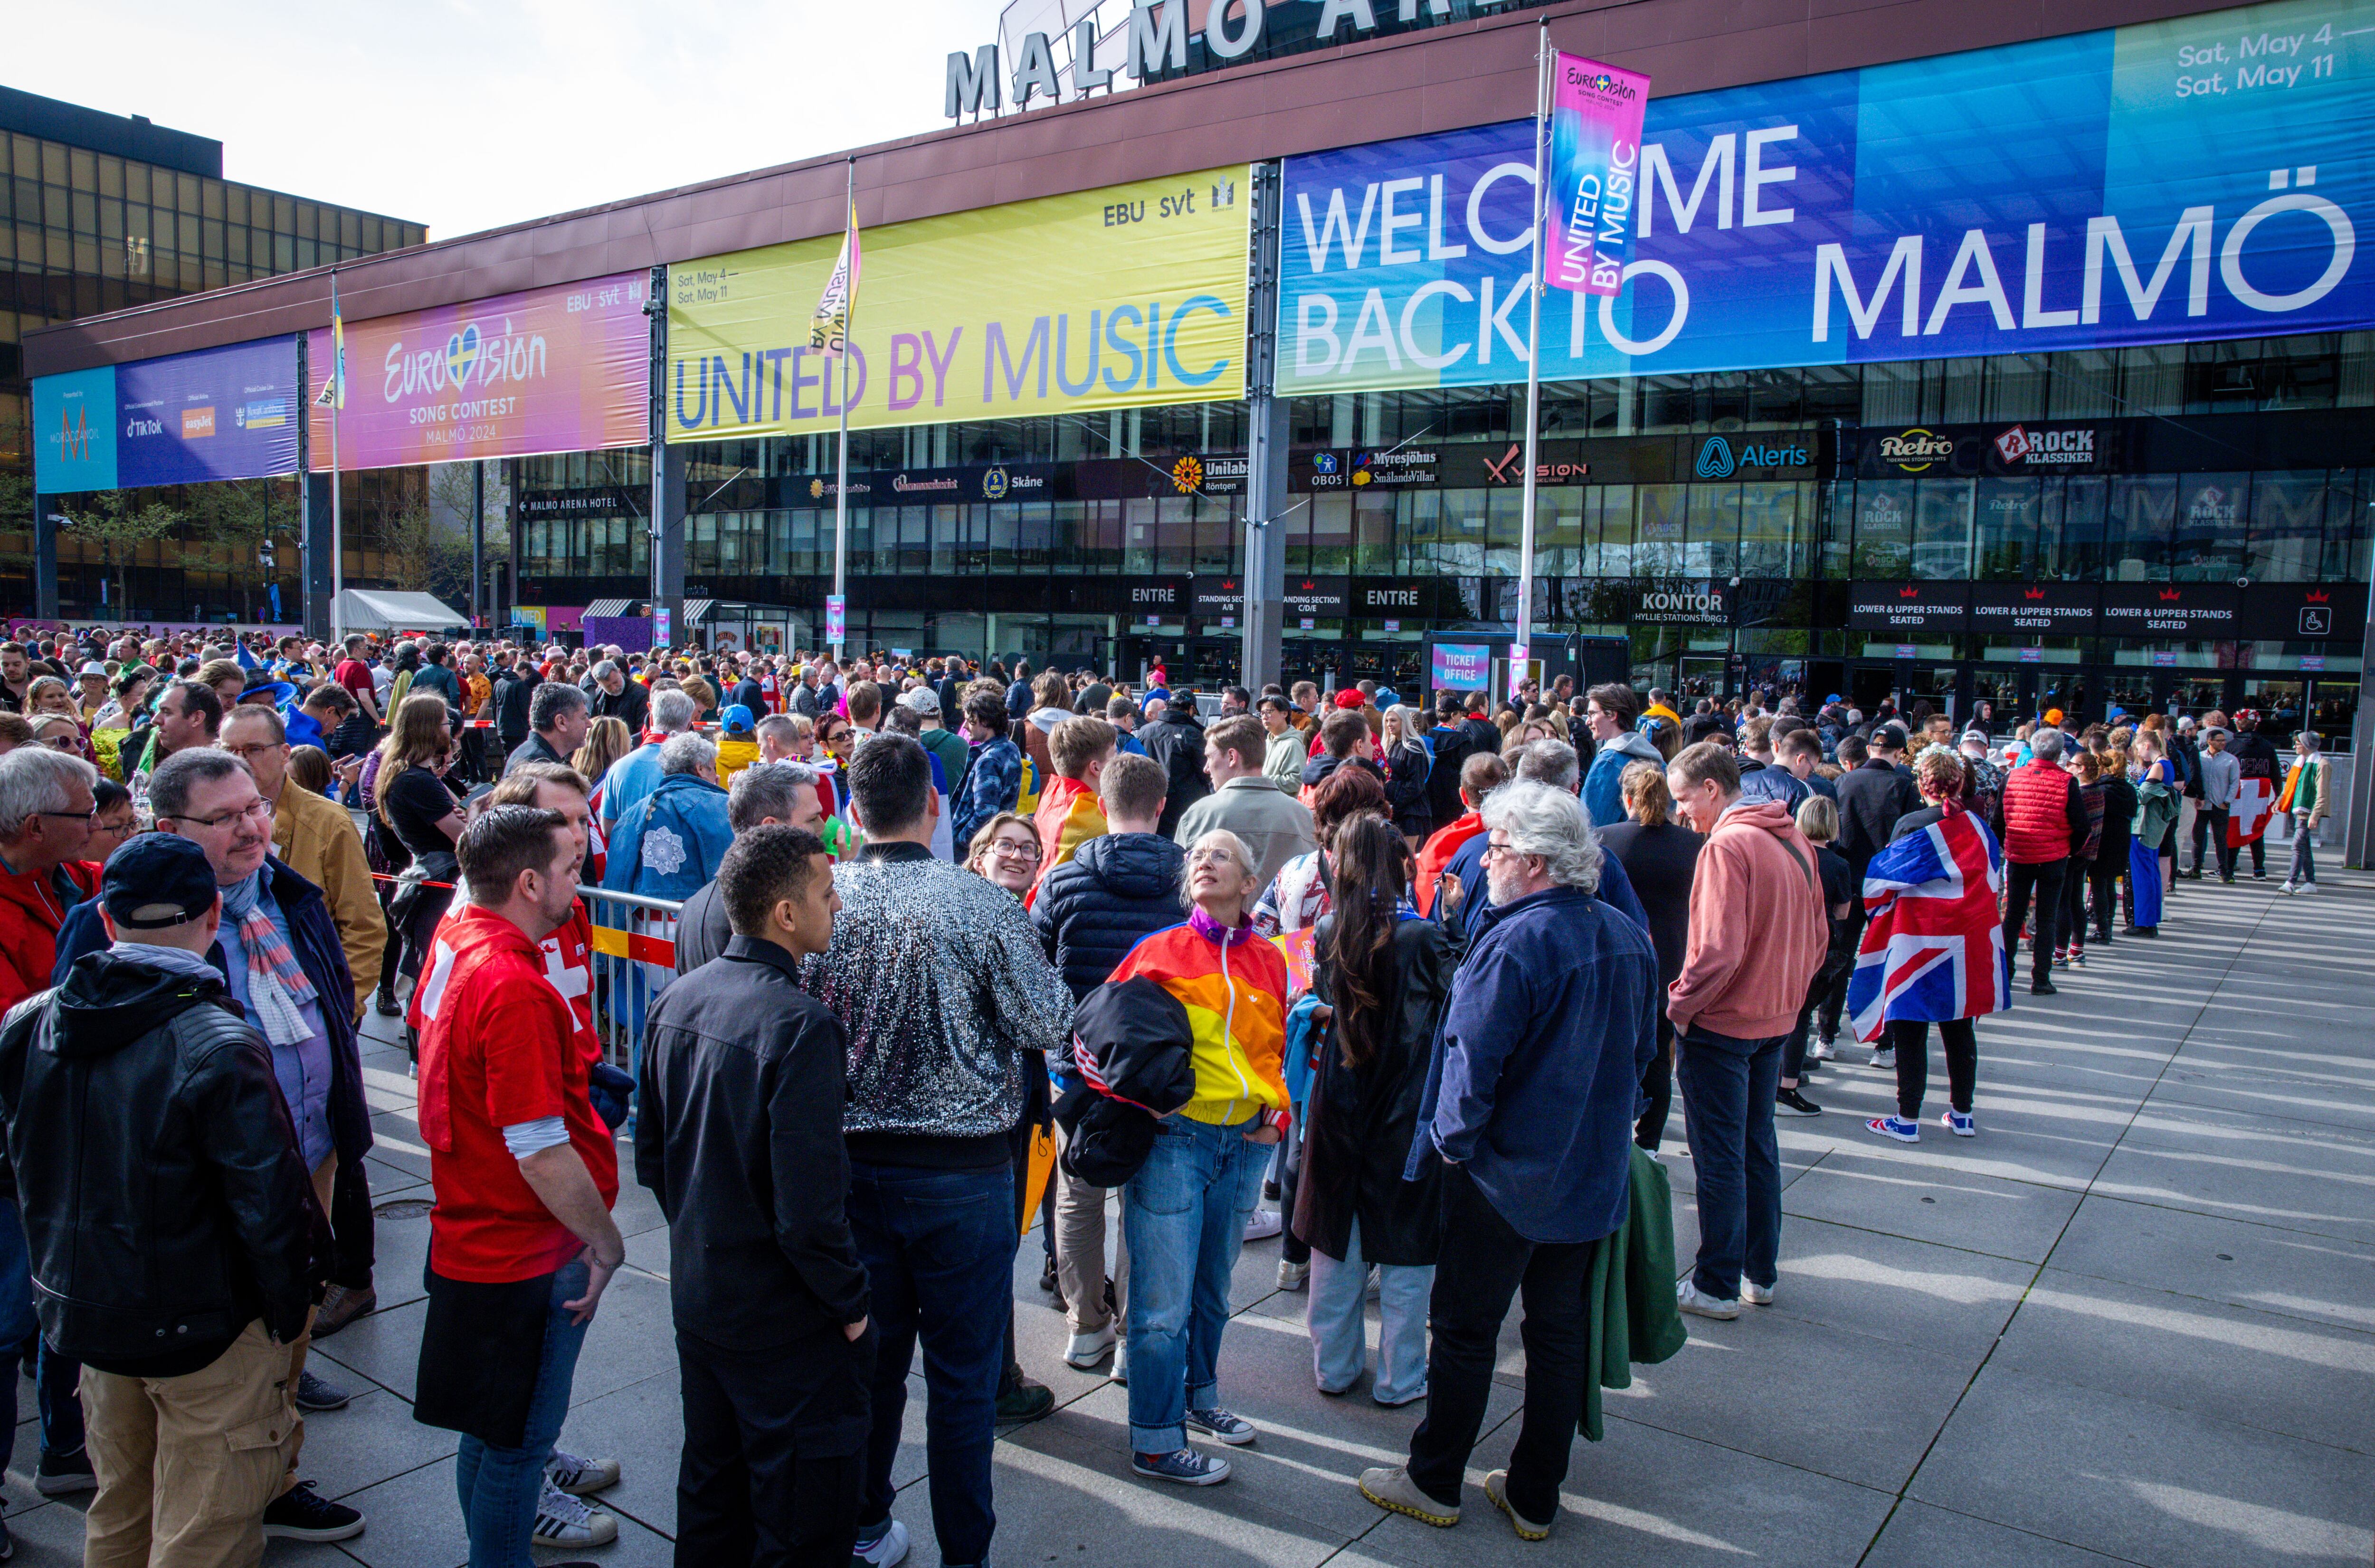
(1096, 906)
(667, 844)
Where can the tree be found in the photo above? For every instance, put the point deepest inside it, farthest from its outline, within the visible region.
(424, 552)
(120, 521)
(248, 518)
(449, 498)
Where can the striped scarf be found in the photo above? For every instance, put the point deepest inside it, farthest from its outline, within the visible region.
(276, 988)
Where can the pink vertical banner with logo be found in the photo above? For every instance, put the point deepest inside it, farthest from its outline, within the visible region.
(1595, 157)
(563, 369)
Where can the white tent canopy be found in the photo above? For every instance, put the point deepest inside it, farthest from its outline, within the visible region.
(370, 609)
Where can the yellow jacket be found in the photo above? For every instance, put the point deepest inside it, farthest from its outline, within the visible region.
(733, 756)
(316, 838)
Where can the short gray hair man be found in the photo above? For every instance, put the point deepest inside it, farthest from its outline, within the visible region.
(672, 712)
(768, 789)
(1549, 823)
(688, 754)
(2046, 744)
(1550, 762)
(38, 781)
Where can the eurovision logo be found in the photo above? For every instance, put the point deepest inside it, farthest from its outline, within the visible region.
(468, 358)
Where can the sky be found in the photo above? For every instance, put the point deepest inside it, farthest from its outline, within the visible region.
(468, 114)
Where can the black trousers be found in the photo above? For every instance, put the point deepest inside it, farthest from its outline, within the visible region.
(2103, 878)
(1845, 944)
(353, 1227)
(1657, 1089)
(2212, 819)
(1910, 1037)
(2044, 883)
(2073, 929)
(1483, 1264)
(750, 1486)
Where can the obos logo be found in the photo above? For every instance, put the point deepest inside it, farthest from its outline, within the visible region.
(1715, 459)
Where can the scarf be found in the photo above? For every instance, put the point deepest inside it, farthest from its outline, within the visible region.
(177, 961)
(276, 988)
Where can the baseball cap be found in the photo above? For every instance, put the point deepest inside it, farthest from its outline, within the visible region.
(920, 699)
(2053, 716)
(737, 719)
(156, 880)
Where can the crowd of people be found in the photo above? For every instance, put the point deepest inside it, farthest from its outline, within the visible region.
(961, 954)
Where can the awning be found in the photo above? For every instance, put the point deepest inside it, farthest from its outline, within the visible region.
(607, 609)
(697, 611)
(370, 609)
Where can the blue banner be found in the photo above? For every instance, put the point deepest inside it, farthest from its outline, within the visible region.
(2172, 182)
(228, 413)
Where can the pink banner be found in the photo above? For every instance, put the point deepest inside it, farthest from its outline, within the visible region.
(564, 368)
(1595, 158)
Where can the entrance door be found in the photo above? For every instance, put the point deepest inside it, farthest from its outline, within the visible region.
(1701, 677)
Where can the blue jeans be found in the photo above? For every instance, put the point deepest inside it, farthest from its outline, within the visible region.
(939, 1248)
(500, 1487)
(1728, 1087)
(1184, 1215)
(1340, 1327)
(20, 1334)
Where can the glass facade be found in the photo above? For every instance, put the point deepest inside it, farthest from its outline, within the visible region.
(83, 231)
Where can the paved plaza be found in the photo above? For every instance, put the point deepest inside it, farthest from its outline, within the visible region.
(2132, 1322)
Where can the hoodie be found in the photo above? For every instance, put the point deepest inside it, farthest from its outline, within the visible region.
(1603, 786)
(1758, 929)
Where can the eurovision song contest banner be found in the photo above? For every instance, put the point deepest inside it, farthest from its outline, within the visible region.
(216, 414)
(1118, 298)
(1596, 113)
(563, 369)
(2170, 182)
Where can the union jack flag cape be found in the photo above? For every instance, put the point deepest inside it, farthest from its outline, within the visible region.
(1934, 946)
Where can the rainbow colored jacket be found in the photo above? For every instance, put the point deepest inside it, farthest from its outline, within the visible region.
(1233, 983)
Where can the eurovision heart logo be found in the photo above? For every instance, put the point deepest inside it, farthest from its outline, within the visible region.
(462, 356)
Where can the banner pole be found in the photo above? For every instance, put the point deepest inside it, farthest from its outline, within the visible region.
(1520, 650)
(337, 531)
(840, 491)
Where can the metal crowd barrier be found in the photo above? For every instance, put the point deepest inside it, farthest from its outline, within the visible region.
(634, 959)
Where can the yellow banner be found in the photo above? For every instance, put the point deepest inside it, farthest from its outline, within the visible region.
(1120, 298)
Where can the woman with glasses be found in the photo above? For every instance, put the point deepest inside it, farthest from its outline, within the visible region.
(60, 732)
(1006, 851)
(416, 804)
(114, 822)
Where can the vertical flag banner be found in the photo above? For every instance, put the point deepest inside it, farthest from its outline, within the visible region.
(829, 329)
(1596, 113)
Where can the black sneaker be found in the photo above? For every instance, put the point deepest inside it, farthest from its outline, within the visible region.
(1790, 1102)
(1026, 1401)
(63, 1475)
(2043, 988)
(386, 1005)
(1048, 1275)
(301, 1513)
(318, 1394)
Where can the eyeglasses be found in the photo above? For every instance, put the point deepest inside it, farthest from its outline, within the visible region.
(245, 752)
(1211, 857)
(60, 743)
(258, 807)
(89, 815)
(1013, 849)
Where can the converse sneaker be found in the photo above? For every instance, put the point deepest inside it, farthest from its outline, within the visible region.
(578, 1476)
(1085, 1350)
(1689, 1298)
(1220, 1426)
(562, 1520)
(1186, 1467)
(1896, 1128)
(887, 1547)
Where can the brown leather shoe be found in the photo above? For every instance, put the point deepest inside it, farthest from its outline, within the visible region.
(341, 1306)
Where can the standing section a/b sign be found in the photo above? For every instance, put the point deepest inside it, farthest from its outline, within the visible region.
(1126, 297)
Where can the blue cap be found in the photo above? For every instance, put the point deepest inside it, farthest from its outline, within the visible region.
(156, 880)
(737, 720)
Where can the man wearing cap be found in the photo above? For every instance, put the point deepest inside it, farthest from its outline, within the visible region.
(1176, 741)
(942, 743)
(737, 741)
(177, 1239)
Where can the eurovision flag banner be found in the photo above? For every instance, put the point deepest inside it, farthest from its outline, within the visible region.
(563, 369)
(227, 413)
(1596, 113)
(828, 328)
(1119, 297)
(2199, 178)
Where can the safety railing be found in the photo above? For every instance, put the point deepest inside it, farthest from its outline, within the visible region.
(635, 958)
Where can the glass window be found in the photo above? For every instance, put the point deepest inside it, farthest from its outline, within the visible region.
(1941, 529)
(2286, 527)
(1217, 527)
(1331, 533)
(2333, 711)
(1105, 522)
(2005, 515)
(1713, 545)
(2069, 529)
(1373, 532)
(1614, 504)
(1460, 550)
(1421, 531)
(1769, 530)
(2138, 527)
(1505, 515)
(1006, 536)
(1558, 531)
(2211, 510)
(1070, 545)
(1138, 538)
(2345, 526)
(1884, 529)
(1657, 531)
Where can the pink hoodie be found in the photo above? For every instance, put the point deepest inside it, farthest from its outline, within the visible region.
(1758, 929)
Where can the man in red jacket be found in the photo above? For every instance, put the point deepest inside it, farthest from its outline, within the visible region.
(45, 817)
(2044, 815)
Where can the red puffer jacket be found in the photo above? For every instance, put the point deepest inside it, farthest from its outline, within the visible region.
(2039, 801)
(31, 909)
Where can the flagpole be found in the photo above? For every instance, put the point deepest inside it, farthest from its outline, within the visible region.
(1520, 648)
(337, 533)
(841, 489)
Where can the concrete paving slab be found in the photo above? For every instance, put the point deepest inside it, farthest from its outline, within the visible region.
(2271, 1171)
(383, 1349)
(1934, 1192)
(2220, 1259)
(2310, 1380)
(414, 1520)
(2147, 1482)
(1919, 1535)
(374, 1438)
(1913, 1292)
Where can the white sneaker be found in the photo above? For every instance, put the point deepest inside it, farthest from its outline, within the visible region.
(1756, 1294)
(579, 1476)
(1119, 1371)
(1263, 1224)
(888, 1550)
(1884, 1058)
(1085, 1350)
(562, 1520)
(1292, 1276)
(1689, 1298)
(2306, 888)
(1820, 1051)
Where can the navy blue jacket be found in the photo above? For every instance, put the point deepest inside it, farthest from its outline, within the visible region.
(1770, 782)
(1536, 1074)
(1467, 864)
(1116, 889)
(313, 937)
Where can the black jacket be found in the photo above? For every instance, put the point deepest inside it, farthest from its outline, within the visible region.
(1407, 800)
(631, 704)
(1093, 909)
(2254, 754)
(703, 929)
(1360, 1119)
(1135, 1039)
(165, 1206)
(514, 698)
(1660, 863)
(1177, 740)
(1872, 797)
(1452, 749)
(740, 1138)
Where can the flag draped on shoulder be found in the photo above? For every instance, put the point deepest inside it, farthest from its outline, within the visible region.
(828, 328)
(1933, 947)
(2254, 807)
